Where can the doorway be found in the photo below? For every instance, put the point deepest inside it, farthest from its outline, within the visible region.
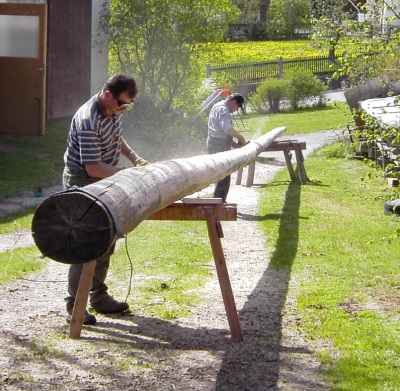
(23, 37)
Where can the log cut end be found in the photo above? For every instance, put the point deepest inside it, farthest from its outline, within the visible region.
(73, 227)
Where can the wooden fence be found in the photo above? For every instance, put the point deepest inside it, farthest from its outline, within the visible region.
(257, 71)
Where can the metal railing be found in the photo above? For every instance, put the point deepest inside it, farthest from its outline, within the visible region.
(258, 71)
(272, 69)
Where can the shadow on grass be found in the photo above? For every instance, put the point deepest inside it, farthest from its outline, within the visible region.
(250, 217)
(53, 361)
(10, 218)
(268, 216)
(272, 161)
(280, 183)
(259, 354)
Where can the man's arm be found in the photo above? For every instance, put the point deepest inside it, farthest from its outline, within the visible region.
(100, 170)
(90, 154)
(132, 156)
(103, 170)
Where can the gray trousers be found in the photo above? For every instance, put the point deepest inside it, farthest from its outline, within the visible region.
(99, 288)
(214, 146)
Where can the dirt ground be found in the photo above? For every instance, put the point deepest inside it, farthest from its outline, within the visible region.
(137, 352)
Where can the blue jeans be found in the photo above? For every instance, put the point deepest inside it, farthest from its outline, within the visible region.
(214, 146)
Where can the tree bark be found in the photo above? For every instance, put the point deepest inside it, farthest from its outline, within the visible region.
(82, 224)
(264, 6)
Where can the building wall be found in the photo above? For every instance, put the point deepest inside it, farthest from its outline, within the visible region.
(69, 55)
(99, 52)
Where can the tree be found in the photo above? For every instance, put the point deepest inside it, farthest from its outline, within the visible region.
(286, 16)
(249, 10)
(160, 43)
(335, 21)
(368, 52)
(264, 6)
(332, 8)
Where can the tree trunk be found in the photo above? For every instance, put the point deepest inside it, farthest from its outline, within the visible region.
(264, 6)
(82, 224)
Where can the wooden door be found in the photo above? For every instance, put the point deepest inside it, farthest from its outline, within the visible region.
(23, 34)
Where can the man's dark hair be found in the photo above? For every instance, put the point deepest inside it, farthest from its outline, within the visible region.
(238, 98)
(121, 83)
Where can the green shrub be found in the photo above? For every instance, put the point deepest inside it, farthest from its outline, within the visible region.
(304, 85)
(285, 17)
(271, 92)
(338, 150)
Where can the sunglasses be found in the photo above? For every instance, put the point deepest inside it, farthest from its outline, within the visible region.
(122, 103)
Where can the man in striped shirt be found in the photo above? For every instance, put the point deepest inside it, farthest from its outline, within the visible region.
(94, 147)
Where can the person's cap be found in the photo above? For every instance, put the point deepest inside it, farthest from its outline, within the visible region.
(238, 98)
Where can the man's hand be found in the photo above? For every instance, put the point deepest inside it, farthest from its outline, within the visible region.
(141, 162)
(241, 141)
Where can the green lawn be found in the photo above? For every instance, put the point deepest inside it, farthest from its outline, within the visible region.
(27, 163)
(342, 251)
(19, 262)
(16, 222)
(173, 258)
(333, 116)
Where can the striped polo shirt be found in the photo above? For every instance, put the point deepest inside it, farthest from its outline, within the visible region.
(93, 137)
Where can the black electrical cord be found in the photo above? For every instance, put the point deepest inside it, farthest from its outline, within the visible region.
(131, 268)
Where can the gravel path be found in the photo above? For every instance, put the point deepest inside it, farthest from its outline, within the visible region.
(137, 352)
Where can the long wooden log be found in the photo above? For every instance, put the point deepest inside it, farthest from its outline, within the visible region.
(82, 224)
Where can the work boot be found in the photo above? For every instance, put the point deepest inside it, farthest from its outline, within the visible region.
(88, 320)
(108, 305)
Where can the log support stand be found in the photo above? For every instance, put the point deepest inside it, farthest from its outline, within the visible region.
(213, 211)
(287, 147)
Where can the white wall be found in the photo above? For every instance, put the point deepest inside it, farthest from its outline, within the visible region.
(99, 54)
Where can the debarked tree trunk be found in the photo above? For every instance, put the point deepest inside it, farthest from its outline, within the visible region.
(82, 224)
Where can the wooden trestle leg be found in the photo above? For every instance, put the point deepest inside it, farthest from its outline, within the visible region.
(289, 165)
(250, 174)
(78, 313)
(223, 278)
(300, 166)
(239, 176)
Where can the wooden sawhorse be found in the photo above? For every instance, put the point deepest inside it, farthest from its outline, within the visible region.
(212, 211)
(286, 146)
